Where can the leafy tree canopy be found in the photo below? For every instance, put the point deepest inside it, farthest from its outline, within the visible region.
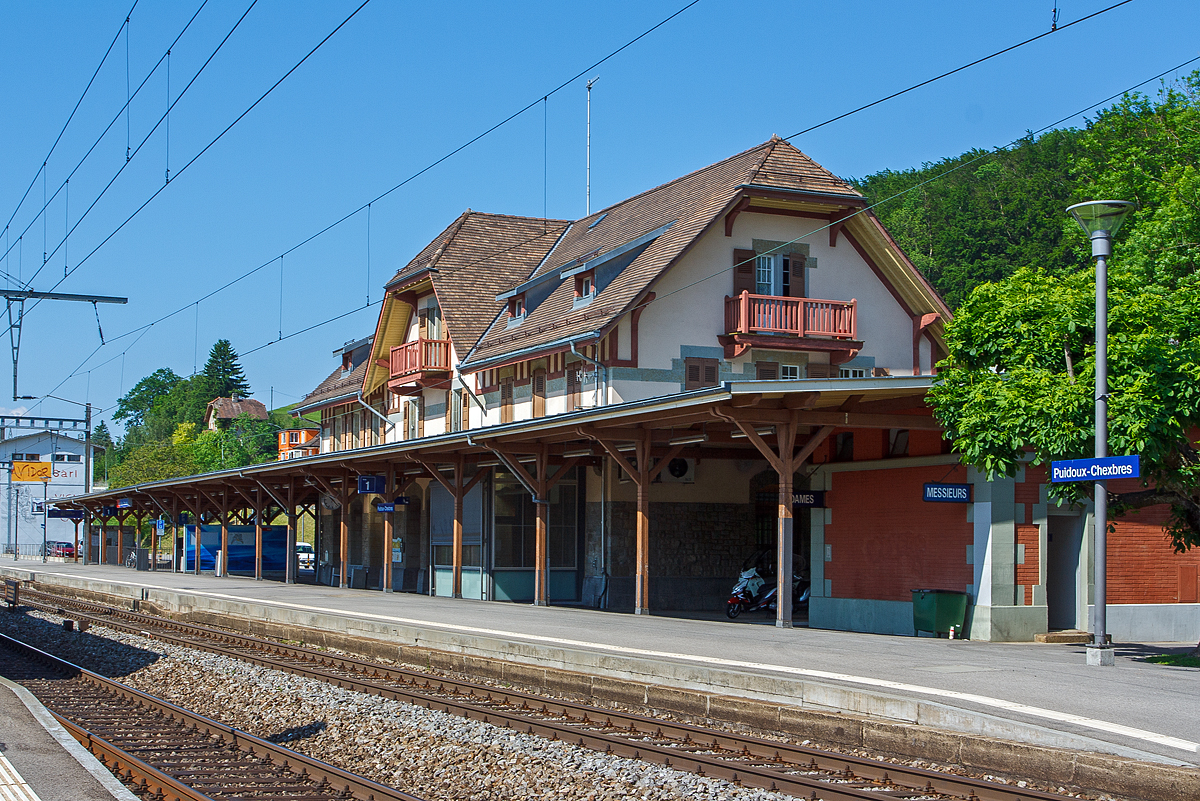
(1021, 369)
(138, 402)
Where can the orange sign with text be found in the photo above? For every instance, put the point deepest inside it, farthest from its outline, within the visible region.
(31, 471)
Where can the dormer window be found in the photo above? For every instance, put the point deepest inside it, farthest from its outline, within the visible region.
(585, 288)
(516, 310)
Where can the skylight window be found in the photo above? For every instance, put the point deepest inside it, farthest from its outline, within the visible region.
(596, 221)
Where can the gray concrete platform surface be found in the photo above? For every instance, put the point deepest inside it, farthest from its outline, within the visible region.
(49, 761)
(1041, 694)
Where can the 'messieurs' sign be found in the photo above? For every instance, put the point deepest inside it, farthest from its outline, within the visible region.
(1096, 469)
(948, 493)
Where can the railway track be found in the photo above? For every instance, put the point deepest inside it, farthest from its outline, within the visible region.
(165, 752)
(797, 770)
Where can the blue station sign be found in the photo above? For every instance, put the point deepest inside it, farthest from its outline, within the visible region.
(385, 507)
(809, 499)
(65, 514)
(371, 485)
(1096, 469)
(947, 493)
(125, 503)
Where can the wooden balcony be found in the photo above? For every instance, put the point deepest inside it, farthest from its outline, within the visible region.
(417, 360)
(809, 324)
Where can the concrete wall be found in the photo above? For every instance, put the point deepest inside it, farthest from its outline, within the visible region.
(1151, 622)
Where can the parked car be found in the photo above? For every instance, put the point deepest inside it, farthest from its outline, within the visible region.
(306, 555)
(66, 549)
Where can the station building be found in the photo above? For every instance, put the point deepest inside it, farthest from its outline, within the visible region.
(618, 411)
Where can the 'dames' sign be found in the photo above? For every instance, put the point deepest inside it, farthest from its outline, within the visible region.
(1096, 469)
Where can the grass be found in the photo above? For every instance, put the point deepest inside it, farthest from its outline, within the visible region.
(1176, 660)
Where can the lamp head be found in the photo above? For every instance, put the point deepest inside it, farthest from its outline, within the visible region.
(1100, 220)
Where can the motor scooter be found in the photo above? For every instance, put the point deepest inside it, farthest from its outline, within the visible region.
(754, 592)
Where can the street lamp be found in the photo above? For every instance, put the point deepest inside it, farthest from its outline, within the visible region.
(1100, 220)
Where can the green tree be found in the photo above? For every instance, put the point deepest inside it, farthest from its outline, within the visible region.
(966, 219)
(223, 373)
(152, 462)
(138, 402)
(1020, 377)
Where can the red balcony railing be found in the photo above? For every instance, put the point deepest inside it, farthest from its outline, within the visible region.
(802, 317)
(420, 355)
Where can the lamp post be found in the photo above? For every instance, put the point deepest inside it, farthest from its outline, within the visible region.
(1100, 220)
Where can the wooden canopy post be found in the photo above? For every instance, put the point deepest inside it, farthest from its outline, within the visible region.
(389, 489)
(174, 530)
(458, 488)
(258, 534)
(344, 532)
(289, 576)
(76, 554)
(784, 459)
(120, 537)
(539, 485)
(642, 474)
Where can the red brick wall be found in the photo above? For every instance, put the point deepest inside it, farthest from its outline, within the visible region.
(1027, 574)
(1143, 568)
(887, 541)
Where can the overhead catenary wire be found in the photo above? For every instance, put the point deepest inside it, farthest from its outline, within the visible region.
(71, 116)
(968, 65)
(116, 117)
(143, 143)
(384, 194)
(559, 229)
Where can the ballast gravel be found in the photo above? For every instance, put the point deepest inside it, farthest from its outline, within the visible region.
(427, 753)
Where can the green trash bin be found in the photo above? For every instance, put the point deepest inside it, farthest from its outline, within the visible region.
(944, 612)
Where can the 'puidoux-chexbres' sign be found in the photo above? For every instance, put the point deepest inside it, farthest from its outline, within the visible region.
(1096, 469)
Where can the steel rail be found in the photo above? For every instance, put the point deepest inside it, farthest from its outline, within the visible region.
(342, 782)
(746, 760)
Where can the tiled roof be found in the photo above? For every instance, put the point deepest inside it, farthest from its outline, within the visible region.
(690, 203)
(484, 255)
(785, 167)
(334, 387)
(229, 408)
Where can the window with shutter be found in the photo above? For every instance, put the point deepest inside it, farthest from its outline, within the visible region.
(423, 323)
(448, 417)
(796, 268)
(767, 371)
(743, 271)
(420, 416)
(539, 393)
(699, 373)
(506, 400)
(465, 411)
(789, 372)
(822, 371)
(572, 397)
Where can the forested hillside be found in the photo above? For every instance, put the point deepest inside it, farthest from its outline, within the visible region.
(1021, 370)
(978, 216)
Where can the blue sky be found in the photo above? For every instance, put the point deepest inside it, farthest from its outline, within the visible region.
(402, 84)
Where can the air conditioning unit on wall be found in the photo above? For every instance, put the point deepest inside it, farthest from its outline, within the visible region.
(679, 471)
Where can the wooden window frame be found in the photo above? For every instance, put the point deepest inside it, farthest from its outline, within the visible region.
(538, 382)
(701, 373)
(507, 386)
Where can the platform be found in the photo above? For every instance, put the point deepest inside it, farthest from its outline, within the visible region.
(1038, 694)
(44, 762)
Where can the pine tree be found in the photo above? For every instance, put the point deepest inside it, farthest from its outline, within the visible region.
(223, 374)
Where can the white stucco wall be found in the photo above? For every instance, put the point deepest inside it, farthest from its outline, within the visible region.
(689, 304)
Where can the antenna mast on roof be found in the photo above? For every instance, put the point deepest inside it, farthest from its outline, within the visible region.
(589, 144)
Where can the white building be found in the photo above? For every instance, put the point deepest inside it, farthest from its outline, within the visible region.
(23, 524)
